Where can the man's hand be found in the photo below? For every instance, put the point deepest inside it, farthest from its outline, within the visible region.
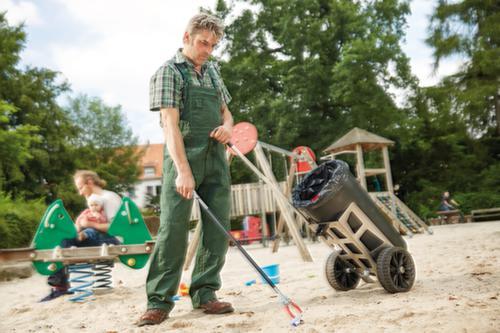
(184, 184)
(222, 133)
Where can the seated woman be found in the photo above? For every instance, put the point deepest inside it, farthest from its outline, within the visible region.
(90, 233)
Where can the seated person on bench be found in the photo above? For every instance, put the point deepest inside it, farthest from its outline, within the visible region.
(447, 203)
(89, 185)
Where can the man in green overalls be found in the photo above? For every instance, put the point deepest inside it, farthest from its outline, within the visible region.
(192, 99)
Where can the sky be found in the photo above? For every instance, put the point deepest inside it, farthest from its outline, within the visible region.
(110, 49)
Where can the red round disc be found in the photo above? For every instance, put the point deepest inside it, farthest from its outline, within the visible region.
(244, 137)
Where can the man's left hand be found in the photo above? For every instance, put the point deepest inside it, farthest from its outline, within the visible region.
(222, 134)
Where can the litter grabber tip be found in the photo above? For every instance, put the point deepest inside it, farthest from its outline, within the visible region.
(293, 310)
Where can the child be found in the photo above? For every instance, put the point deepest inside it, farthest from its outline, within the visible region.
(85, 223)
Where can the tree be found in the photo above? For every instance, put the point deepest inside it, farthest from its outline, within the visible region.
(470, 28)
(307, 71)
(14, 146)
(435, 152)
(104, 142)
(42, 144)
(30, 109)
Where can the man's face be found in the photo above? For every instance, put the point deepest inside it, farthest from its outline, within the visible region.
(199, 46)
(84, 188)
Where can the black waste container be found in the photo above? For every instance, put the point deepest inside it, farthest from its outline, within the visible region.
(326, 192)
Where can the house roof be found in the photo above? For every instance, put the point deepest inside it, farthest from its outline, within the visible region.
(367, 140)
(152, 157)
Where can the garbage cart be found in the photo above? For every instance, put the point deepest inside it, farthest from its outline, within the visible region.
(365, 243)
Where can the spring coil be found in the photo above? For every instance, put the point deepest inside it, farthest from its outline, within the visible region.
(102, 275)
(81, 281)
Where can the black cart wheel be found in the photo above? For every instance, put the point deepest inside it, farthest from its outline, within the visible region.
(341, 274)
(395, 270)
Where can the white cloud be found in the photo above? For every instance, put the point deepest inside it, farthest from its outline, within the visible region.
(424, 70)
(21, 12)
(421, 59)
(126, 41)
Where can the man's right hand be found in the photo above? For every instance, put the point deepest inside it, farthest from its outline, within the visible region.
(184, 184)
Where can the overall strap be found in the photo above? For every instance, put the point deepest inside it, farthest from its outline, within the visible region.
(186, 78)
(213, 77)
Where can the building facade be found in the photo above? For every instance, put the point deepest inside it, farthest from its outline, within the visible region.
(149, 184)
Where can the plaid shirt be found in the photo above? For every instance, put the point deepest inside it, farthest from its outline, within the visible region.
(166, 85)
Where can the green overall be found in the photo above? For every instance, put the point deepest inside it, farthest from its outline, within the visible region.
(200, 115)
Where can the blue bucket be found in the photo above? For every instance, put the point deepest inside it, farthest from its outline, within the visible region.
(273, 272)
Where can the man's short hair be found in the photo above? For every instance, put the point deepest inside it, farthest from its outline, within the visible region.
(204, 21)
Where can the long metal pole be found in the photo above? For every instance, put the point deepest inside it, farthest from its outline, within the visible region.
(235, 241)
(287, 302)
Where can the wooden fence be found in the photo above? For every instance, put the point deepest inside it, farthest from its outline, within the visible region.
(248, 199)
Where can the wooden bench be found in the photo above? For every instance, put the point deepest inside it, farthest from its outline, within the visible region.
(449, 216)
(490, 214)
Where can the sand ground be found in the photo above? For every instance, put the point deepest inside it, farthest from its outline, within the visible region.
(457, 289)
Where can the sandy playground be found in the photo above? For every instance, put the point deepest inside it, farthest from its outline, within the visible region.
(457, 290)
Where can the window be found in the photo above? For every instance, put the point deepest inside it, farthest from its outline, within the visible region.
(149, 190)
(149, 171)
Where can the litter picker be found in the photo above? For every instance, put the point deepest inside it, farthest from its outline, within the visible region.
(290, 307)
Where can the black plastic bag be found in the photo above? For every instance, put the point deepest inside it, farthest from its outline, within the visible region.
(324, 181)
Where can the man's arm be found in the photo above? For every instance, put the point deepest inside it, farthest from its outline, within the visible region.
(184, 182)
(223, 133)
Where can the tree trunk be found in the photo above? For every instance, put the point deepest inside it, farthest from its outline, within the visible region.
(497, 111)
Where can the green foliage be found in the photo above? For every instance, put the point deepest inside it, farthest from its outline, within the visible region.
(104, 143)
(435, 153)
(32, 123)
(14, 146)
(475, 200)
(304, 71)
(42, 144)
(19, 220)
(470, 28)
(98, 125)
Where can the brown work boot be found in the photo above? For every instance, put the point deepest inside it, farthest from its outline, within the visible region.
(153, 317)
(216, 307)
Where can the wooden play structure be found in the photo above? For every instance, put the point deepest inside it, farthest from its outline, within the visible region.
(269, 193)
(357, 141)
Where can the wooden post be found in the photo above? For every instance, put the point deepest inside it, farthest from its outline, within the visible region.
(193, 245)
(265, 234)
(283, 204)
(360, 166)
(281, 221)
(387, 167)
(388, 179)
